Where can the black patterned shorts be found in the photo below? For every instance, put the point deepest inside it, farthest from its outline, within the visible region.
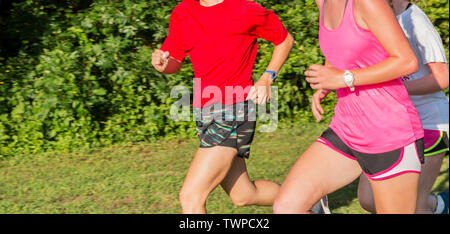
(227, 125)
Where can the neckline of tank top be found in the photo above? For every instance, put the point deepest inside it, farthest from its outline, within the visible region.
(342, 20)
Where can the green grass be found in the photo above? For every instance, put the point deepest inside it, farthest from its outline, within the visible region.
(146, 178)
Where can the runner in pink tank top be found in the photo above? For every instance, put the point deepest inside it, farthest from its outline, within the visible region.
(374, 118)
(375, 126)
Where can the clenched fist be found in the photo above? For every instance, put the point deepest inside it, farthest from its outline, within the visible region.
(160, 60)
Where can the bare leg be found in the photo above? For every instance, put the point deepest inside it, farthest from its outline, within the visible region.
(396, 195)
(425, 202)
(318, 172)
(430, 171)
(220, 165)
(208, 168)
(243, 191)
(365, 194)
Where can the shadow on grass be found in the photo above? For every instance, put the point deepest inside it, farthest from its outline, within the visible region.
(343, 197)
(443, 184)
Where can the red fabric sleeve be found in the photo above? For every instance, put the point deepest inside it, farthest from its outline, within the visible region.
(175, 42)
(265, 24)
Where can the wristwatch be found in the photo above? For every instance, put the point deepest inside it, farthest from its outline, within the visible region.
(272, 74)
(349, 79)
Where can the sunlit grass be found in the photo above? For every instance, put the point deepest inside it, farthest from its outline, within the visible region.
(146, 178)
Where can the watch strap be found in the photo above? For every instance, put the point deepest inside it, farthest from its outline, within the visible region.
(272, 74)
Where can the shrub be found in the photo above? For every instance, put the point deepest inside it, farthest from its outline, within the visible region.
(77, 74)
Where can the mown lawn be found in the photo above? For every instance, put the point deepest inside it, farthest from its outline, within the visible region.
(146, 178)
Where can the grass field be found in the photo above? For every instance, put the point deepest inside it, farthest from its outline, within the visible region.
(146, 178)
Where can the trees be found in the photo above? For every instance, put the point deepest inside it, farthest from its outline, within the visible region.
(77, 73)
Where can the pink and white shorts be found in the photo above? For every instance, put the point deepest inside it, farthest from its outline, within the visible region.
(408, 159)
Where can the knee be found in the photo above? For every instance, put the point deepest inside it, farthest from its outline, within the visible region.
(245, 199)
(366, 205)
(188, 198)
(183, 196)
(282, 205)
(365, 199)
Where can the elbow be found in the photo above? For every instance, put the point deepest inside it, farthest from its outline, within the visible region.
(288, 43)
(444, 84)
(443, 76)
(290, 40)
(411, 65)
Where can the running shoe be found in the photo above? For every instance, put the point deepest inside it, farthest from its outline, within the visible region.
(444, 196)
(321, 207)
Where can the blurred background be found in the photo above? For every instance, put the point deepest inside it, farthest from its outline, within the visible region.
(77, 73)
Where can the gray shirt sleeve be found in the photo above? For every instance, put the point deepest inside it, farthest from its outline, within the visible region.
(429, 43)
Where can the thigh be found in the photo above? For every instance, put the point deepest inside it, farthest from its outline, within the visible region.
(397, 194)
(243, 191)
(237, 180)
(318, 172)
(208, 168)
(436, 147)
(430, 171)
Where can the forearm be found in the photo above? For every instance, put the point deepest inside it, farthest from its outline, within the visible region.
(390, 69)
(280, 54)
(426, 85)
(436, 81)
(260, 92)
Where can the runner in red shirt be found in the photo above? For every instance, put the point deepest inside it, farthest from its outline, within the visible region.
(220, 37)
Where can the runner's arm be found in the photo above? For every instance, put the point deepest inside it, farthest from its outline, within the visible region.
(260, 92)
(279, 56)
(381, 21)
(436, 81)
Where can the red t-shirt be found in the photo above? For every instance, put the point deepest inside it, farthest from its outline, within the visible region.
(221, 43)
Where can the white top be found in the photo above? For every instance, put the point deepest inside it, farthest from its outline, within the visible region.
(427, 44)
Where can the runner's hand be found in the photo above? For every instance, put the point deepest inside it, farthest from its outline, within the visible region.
(325, 77)
(260, 92)
(160, 60)
(317, 109)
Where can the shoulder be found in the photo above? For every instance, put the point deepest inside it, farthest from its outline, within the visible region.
(183, 7)
(416, 22)
(419, 18)
(252, 8)
(372, 5)
(373, 9)
(319, 3)
(374, 12)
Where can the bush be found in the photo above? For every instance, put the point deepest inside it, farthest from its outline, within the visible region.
(77, 74)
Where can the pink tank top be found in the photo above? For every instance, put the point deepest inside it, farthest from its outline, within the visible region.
(374, 118)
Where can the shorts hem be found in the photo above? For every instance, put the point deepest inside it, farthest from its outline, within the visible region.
(393, 165)
(238, 154)
(434, 153)
(326, 143)
(390, 176)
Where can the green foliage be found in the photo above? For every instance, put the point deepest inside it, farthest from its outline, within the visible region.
(77, 74)
(147, 177)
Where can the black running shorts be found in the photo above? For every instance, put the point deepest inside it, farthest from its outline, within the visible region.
(227, 125)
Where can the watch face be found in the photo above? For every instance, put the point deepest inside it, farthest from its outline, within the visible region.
(348, 79)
